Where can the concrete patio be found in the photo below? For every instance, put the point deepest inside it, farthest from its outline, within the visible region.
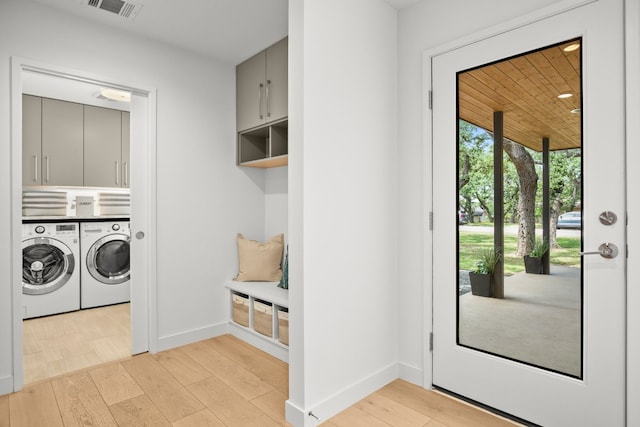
(538, 321)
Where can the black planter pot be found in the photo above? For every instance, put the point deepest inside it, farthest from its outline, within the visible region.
(532, 265)
(481, 284)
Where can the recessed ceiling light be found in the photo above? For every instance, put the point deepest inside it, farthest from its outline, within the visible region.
(565, 95)
(576, 111)
(571, 47)
(116, 94)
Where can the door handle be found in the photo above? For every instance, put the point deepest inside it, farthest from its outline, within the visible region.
(35, 168)
(260, 89)
(267, 98)
(605, 250)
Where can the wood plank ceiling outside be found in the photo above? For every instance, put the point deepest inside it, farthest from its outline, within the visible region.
(526, 89)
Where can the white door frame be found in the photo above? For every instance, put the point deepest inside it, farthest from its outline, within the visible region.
(632, 58)
(143, 215)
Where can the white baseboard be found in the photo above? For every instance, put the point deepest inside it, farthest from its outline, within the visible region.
(194, 335)
(265, 344)
(411, 374)
(294, 415)
(350, 395)
(6, 385)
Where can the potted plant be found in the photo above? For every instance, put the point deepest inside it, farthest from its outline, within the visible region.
(533, 261)
(481, 277)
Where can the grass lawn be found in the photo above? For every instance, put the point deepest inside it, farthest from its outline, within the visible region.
(471, 244)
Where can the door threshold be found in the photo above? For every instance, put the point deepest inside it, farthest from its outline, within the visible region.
(499, 413)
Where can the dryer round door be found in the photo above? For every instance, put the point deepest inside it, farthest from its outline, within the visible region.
(47, 264)
(108, 259)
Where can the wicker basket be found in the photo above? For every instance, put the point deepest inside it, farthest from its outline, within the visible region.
(241, 309)
(263, 317)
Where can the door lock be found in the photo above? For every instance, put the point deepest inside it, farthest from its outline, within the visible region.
(605, 250)
(608, 218)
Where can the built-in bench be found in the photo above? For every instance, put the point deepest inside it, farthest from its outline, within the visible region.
(259, 314)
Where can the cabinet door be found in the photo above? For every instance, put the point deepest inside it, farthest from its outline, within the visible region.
(31, 140)
(102, 147)
(250, 92)
(276, 103)
(126, 148)
(62, 130)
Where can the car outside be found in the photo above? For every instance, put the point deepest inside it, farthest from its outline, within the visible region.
(570, 220)
(462, 218)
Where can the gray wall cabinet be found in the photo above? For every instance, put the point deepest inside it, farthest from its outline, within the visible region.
(70, 144)
(262, 107)
(62, 139)
(31, 140)
(262, 87)
(103, 164)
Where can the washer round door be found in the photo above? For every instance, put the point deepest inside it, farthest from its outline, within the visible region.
(47, 264)
(108, 259)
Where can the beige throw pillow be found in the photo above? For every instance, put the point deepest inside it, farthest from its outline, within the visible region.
(260, 262)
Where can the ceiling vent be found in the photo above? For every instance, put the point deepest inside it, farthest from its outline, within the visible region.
(126, 9)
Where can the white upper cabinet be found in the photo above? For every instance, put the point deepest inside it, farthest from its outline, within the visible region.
(262, 87)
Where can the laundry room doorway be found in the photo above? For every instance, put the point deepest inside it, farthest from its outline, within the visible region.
(142, 216)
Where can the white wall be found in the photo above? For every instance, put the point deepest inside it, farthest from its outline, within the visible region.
(348, 201)
(276, 217)
(203, 199)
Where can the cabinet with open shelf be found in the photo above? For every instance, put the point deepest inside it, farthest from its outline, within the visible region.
(265, 146)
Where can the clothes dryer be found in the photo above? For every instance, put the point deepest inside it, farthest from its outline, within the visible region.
(104, 248)
(50, 269)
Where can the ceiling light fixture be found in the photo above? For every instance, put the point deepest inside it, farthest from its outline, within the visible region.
(116, 94)
(565, 95)
(571, 47)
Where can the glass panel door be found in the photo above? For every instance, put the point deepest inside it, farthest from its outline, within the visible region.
(545, 346)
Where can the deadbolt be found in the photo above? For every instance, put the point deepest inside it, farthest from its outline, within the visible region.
(608, 218)
(140, 235)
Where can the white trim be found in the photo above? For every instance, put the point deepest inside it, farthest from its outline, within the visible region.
(18, 65)
(427, 56)
(6, 385)
(266, 344)
(632, 86)
(16, 220)
(296, 416)
(504, 27)
(357, 391)
(411, 374)
(194, 335)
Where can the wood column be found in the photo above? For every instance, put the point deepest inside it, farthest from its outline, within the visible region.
(546, 211)
(498, 201)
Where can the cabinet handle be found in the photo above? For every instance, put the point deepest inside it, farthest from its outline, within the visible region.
(117, 173)
(267, 98)
(35, 168)
(260, 87)
(126, 174)
(46, 158)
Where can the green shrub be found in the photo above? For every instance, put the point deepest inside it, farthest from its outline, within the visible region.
(489, 258)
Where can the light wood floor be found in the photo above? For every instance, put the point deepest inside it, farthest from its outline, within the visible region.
(217, 382)
(63, 343)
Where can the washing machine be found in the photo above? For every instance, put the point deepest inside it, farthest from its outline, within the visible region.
(50, 269)
(104, 248)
